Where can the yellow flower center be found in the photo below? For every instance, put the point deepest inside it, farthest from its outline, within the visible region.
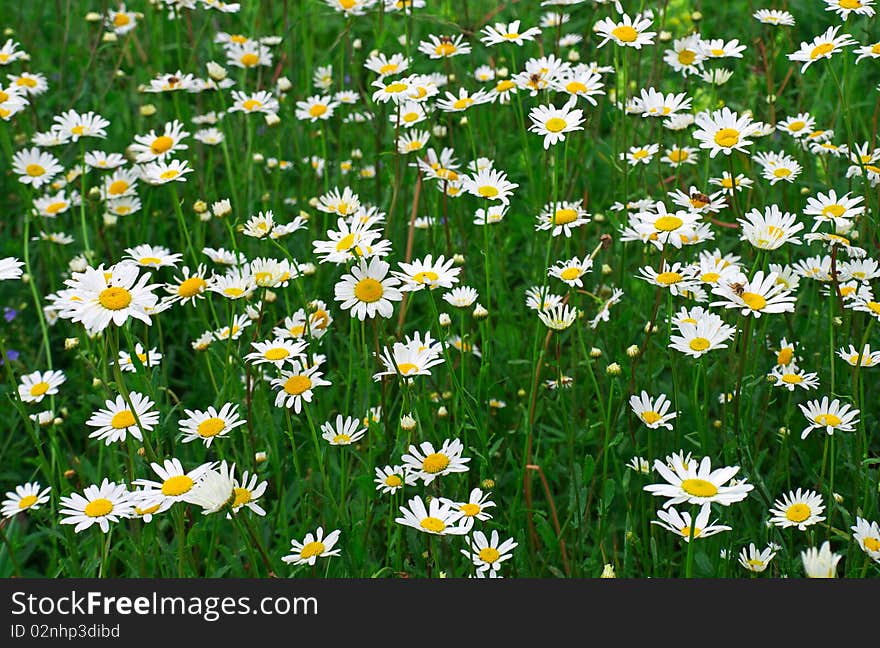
(489, 555)
(668, 223)
(570, 274)
(871, 544)
(796, 126)
(687, 57)
(792, 378)
(317, 110)
(250, 59)
(470, 510)
(169, 174)
(56, 207)
(27, 501)
(575, 87)
(232, 291)
(461, 104)
(641, 154)
(798, 512)
(211, 427)
(710, 277)
(821, 50)
(555, 124)
(487, 191)
(754, 301)
(782, 172)
(177, 485)
(625, 33)
(34, 170)
(150, 260)
(121, 20)
(445, 49)
(504, 86)
(727, 137)
(828, 419)
(251, 104)
(78, 130)
(122, 419)
(435, 463)
(668, 278)
(425, 276)
(699, 488)
(40, 388)
(342, 439)
(784, 356)
(98, 507)
(191, 287)
(242, 496)
(699, 344)
(432, 524)
(368, 290)
(296, 385)
(161, 144)
(564, 216)
(393, 481)
(388, 68)
(850, 4)
(678, 155)
(115, 298)
(278, 353)
(25, 81)
(117, 187)
(833, 211)
(312, 549)
(686, 532)
(650, 417)
(409, 118)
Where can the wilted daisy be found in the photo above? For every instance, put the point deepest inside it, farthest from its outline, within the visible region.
(101, 505)
(344, 431)
(213, 491)
(754, 560)
(867, 535)
(800, 508)
(210, 424)
(36, 386)
(823, 46)
(25, 497)
(296, 385)
(682, 525)
(118, 419)
(487, 554)
(427, 464)
(553, 123)
(438, 518)
(833, 416)
(820, 563)
(697, 484)
(652, 412)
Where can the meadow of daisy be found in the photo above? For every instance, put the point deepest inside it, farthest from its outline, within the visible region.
(435, 288)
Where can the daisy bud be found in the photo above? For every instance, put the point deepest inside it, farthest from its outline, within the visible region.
(78, 264)
(696, 16)
(716, 424)
(402, 39)
(595, 353)
(463, 121)
(313, 201)
(480, 312)
(141, 452)
(221, 208)
(606, 269)
(502, 72)
(573, 56)
(838, 321)
(69, 474)
(770, 98)
(837, 497)
(260, 457)
(407, 423)
(665, 36)
(205, 217)
(94, 193)
(445, 320)
(120, 73)
(608, 571)
(70, 343)
(521, 392)
(270, 296)
(442, 412)
(613, 369)
(439, 130)
(356, 154)
(458, 259)
(25, 278)
(633, 351)
(447, 395)
(258, 158)
(272, 119)
(854, 234)
(92, 16)
(216, 71)
(357, 43)
(110, 220)
(271, 163)
(96, 382)
(57, 420)
(599, 217)
(200, 206)
(148, 110)
(308, 269)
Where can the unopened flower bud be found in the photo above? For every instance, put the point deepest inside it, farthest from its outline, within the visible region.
(407, 423)
(445, 320)
(260, 457)
(613, 369)
(633, 351)
(70, 343)
(442, 412)
(595, 353)
(148, 110)
(216, 71)
(480, 312)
